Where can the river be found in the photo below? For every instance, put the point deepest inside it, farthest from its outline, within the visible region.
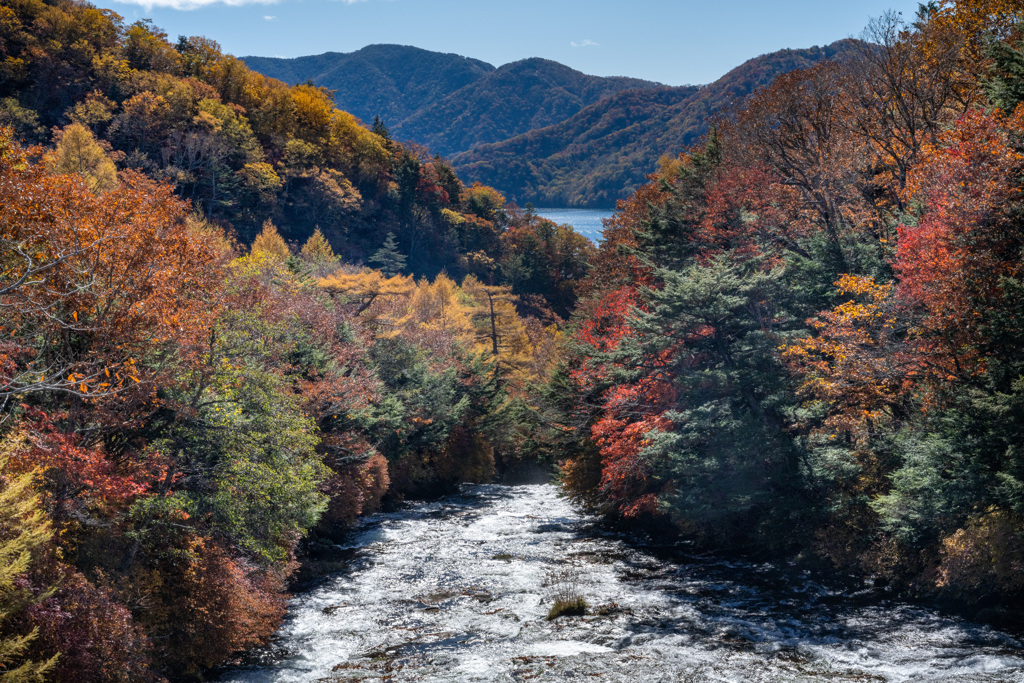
(458, 590)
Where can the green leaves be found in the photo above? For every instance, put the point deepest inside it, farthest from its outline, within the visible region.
(265, 506)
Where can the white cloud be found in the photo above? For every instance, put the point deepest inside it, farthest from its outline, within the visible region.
(269, 17)
(196, 4)
(585, 43)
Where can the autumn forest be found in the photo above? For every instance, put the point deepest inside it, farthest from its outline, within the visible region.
(235, 318)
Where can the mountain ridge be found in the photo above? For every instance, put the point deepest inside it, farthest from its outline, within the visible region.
(402, 78)
(605, 152)
(535, 129)
(448, 102)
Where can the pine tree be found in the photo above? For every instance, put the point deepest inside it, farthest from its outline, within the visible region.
(388, 259)
(380, 130)
(1005, 84)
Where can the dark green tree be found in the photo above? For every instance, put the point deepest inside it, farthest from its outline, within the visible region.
(380, 130)
(388, 259)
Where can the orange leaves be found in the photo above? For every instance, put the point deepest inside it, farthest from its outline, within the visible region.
(857, 363)
(974, 21)
(120, 272)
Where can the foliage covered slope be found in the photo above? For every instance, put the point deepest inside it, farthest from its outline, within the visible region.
(512, 99)
(803, 337)
(446, 102)
(603, 153)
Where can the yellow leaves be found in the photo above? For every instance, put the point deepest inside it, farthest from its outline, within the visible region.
(318, 253)
(367, 286)
(863, 286)
(453, 217)
(78, 152)
(270, 244)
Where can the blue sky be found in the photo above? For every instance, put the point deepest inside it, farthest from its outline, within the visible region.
(672, 41)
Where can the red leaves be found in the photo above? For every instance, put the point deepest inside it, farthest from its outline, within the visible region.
(80, 476)
(607, 323)
(952, 263)
(631, 413)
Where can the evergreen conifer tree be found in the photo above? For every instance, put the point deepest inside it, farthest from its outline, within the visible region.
(388, 259)
(380, 130)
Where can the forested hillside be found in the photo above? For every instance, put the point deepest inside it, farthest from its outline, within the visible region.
(446, 102)
(201, 379)
(391, 82)
(803, 337)
(235, 319)
(605, 152)
(513, 99)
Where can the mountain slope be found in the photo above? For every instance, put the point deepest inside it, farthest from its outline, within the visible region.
(510, 100)
(604, 152)
(390, 81)
(447, 102)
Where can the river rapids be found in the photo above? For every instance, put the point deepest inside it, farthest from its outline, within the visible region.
(459, 590)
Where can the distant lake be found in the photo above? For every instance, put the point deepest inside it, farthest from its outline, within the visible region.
(587, 222)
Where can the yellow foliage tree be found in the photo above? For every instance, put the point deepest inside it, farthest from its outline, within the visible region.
(437, 314)
(318, 254)
(367, 287)
(78, 152)
(499, 327)
(269, 243)
(855, 363)
(23, 529)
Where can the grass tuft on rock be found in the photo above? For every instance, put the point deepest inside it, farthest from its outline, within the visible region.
(567, 608)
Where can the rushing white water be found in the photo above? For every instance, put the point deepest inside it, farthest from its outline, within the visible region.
(458, 590)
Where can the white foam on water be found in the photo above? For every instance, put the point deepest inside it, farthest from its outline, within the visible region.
(459, 590)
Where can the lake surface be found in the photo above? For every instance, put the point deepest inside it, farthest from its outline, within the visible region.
(458, 590)
(587, 222)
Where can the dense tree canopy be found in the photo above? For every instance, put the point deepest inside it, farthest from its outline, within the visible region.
(804, 334)
(801, 336)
